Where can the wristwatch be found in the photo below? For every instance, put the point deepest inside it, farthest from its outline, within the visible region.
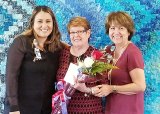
(114, 89)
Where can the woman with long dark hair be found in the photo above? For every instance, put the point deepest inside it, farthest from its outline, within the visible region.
(32, 65)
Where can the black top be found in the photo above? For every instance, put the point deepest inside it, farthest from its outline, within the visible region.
(30, 85)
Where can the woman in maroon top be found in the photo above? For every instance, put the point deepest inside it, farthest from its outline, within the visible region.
(125, 91)
(79, 31)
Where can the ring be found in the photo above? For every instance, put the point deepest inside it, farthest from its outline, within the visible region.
(92, 91)
(74, 85)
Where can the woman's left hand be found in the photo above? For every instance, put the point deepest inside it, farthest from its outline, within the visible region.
(104, 90)
(81, 87)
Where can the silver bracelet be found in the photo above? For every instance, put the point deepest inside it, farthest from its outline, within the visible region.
(87, 94)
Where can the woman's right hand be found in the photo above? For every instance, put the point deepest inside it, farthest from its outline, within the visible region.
(95, 90)
(104, 90)
(16, 112)
(81, 87)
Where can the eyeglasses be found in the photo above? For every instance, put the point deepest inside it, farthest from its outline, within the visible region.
(80, 32)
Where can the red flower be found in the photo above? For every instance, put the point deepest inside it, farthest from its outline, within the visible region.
(97, 54)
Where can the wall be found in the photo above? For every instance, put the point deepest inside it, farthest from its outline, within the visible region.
(14, 15)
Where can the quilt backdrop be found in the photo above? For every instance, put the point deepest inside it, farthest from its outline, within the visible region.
(14, 15)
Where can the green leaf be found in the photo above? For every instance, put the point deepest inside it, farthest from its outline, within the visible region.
(98, 67)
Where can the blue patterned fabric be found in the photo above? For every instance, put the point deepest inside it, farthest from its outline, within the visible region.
(14, 15)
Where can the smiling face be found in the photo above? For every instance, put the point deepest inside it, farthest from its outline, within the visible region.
(120, 19)
(118, 34)
(43, 24)
(79, 36)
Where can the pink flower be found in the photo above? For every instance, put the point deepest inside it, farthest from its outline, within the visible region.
(96, 54)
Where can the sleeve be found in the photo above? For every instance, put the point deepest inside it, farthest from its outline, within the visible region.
(14, 60)
(135, 59)
(63, 64)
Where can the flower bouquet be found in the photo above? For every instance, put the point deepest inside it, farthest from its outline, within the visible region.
(92, 68)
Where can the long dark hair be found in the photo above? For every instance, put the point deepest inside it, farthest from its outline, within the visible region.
(53, 40)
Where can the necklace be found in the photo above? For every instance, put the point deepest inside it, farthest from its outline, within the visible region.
(78, 52)
(36, 51)
(115, 60)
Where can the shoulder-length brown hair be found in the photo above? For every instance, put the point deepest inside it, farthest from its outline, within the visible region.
(53, 40)
(121, 18)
